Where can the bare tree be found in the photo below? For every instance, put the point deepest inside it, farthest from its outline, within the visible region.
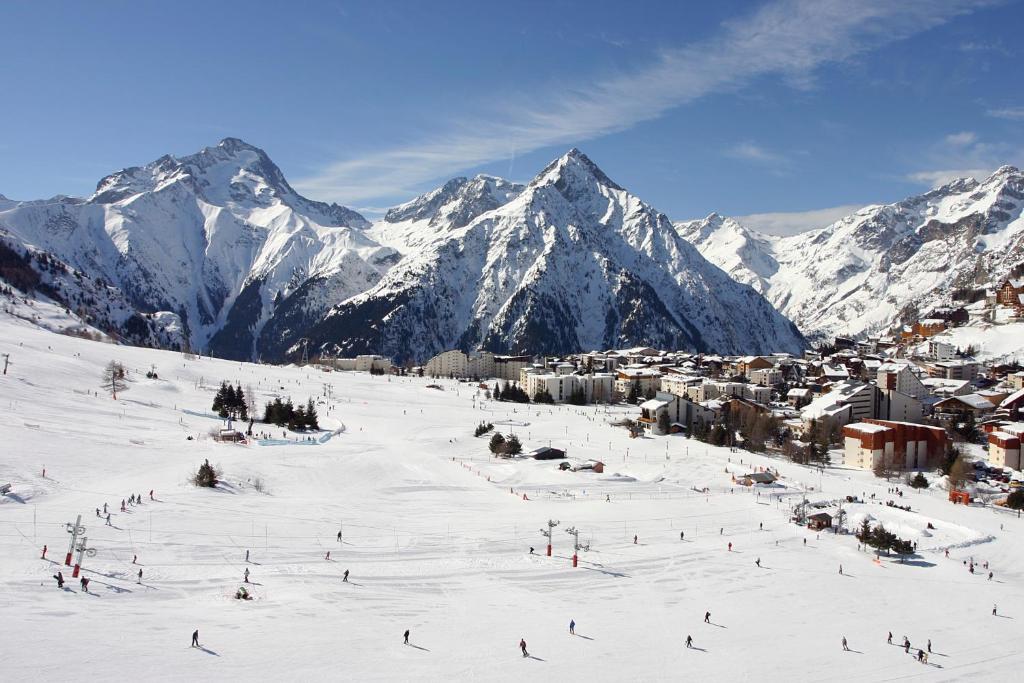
(113, 379)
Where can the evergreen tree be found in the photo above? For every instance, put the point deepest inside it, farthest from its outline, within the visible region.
(218, 400)
(634, 392)
(543, 396)
(497, 392)
(497, 443)
(663, 423)
(513, 446)
(312, 420)
(577, 397)
(919, 481)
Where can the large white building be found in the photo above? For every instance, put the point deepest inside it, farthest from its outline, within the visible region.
(597, 388)
(363, 363)
(478, 365)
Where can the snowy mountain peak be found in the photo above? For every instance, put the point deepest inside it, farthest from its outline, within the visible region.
(457, 202)
(572, 173)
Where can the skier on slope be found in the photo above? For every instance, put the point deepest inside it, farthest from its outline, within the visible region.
(889, 639)
(680, 535)
(689, 641)
(247, 575)
(345, 577)
(572, 626)
(846, 648)
(522, 646)
(195, 638)
(758, 562)
(707, 617)
(60, 579)
(406, 636)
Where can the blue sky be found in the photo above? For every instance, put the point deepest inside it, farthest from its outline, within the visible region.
(736, 107)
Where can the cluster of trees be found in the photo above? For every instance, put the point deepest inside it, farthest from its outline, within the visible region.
(282, 413)
(377, 371)
(1016, 500)
(543, 396)
(635, 396)
(499, 445)
(512, 392)
(482, 428)
(882, 539)
(232, 402)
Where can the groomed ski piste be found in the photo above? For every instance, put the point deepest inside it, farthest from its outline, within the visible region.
(436, 536)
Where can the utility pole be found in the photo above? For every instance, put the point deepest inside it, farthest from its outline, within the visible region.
(73, 529)
(552, 523)
(576, 547)
(82, 550)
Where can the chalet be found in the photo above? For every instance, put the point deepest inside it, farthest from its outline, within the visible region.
(756, 478)
(1013, 405)
(929, 327)
(819, 521)
(546, 453)
(1011, 293)
(798, 397)
(644, 379)
(972, 404)
(747, 364)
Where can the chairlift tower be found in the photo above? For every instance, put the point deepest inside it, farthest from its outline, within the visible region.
(552, 523)
(576, 547)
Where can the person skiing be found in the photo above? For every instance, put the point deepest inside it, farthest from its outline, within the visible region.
(846, 648)
(758, 562)
(97, 512)
(707, 617)
(840, 570)
(328, 555)
(990, 576)
(135, 559)
(104, 508)
(889, 639)
(247, 575)
(406, 636)
(906, 644)
(151, 495)
(531, 550)
(993, 610)
(44, 552)
(805, 541)
(572, 626)
(195, 638)
(689, 641)
(85, 584)
(246, 555)
(730, 546)
(929, 645)
(140, 576)
(339, 537)
(522, 646)
(634, 539)
(680, 535)
(920, 655)
(345, 577)
(60, 579)
(108, 520)
(760, 526)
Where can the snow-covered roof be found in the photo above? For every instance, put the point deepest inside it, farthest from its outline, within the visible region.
(867, 428)
(653, 404)
(1012, 398)
(798, 392)
(973, 400)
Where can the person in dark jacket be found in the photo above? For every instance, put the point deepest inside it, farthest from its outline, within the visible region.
(522, 646)
(406, 636)
(195, 638)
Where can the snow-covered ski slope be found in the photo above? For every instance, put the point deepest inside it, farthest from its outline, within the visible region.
(437, 543)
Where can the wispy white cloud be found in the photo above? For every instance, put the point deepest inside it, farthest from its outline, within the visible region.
(963, 155)
(1008, 113)
(750, 151)
(786, 38)
(785, 223)
(962, 139)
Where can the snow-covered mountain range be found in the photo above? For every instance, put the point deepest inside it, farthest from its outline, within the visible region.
(882, 265)
(216, 252)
